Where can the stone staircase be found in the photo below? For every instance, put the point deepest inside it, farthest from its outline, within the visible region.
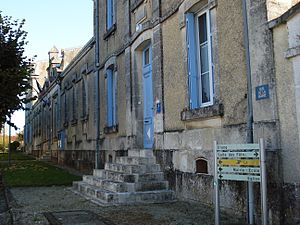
(132, 179)
(46, 156)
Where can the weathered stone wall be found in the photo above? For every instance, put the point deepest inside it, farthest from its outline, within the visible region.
(285, 41)
(174, 74)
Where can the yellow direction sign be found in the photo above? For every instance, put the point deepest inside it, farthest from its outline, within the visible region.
(238, 162)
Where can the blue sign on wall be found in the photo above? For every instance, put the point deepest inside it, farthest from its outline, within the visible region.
(262, 92)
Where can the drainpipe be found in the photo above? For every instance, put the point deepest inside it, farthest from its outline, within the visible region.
(97, 64)
(9, 142)
(250, 192)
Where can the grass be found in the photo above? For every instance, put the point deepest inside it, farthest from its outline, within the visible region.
(24, 172)
(15, 156)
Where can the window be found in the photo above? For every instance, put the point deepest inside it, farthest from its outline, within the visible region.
(111, 101)
(84, 110)
(30, 133)
(200, 70)
(61, 140)
(73, 103)
(58, 111)
(109, 13)
(25, 133)
(65, 108)
(201, 166)
(54, 117)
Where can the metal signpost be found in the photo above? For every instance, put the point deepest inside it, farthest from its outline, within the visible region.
(240, 162)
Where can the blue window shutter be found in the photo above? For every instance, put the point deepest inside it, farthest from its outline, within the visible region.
(30, 134)
(211, 50)
(114, 99)
(109, 97)
(192, 60)
(109, 13)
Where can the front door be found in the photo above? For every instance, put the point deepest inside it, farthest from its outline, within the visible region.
(148, 97)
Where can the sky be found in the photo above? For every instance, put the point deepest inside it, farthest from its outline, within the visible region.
(63, 23)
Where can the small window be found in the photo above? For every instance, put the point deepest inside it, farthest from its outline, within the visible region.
(111, 98)
(84, 107)
(65, 108)
(110, 159)
(74, 107)
(201, 166)
(147, 57)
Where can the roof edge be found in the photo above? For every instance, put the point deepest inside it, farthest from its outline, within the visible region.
(285, 16)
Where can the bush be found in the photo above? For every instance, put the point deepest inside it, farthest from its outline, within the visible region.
(2, 148)
(14, 146)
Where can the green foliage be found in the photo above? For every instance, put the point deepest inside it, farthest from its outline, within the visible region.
(5, 139)
(20, 136)
(26, 171)
(35, 173)
(15, 156)
(14, 146)
(15, 68)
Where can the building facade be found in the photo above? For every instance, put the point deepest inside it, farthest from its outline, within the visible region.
(171, 76)
(286, 41)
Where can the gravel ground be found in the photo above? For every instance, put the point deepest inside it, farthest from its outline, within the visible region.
(29, 204)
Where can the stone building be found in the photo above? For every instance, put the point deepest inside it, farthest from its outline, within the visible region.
(286, 41)
(43, 120)
(170, 77)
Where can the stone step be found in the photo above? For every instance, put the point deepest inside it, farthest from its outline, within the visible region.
(130, 178)
(148, 177)
(116, 186)
(99, 195)
(117, 176)
(109, 198)
(140, 153)
(151, 186)
(133, 160)
(109, 185)
(131, 169)
(45, 158)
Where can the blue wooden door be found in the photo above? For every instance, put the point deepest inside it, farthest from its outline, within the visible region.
(148, 97)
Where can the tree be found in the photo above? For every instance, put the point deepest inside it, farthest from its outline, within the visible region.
(20, 136)
(14, 146)
(15, 68)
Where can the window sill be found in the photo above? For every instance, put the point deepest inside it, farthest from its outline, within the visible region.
(74, 122)
(84, 118)
(112, 129)
(110, 31)
(202, 113)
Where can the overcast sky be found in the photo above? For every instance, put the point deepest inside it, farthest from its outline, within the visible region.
(63, 23)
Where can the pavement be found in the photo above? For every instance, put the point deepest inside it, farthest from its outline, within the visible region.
(59, 205)
(5, 215)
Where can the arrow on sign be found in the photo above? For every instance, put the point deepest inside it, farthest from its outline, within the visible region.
(220, 168)
(220, 176)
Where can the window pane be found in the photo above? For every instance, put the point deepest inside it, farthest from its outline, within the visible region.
(204, 58)
(202, 28)
(147, 56)
(205, 88)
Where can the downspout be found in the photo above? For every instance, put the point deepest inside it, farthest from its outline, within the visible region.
(97, 64)
(250, 192)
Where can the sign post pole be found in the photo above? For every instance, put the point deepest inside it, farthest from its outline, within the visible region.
(263, 183)
(216, 186)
